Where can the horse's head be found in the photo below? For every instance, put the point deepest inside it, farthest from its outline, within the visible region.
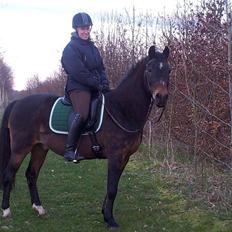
(157, 75)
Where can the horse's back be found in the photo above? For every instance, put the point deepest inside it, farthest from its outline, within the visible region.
(31, 111)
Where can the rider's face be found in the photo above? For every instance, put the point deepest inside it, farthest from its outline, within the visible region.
(84, 32)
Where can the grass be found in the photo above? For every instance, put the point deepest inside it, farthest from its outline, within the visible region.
(196, 178)
(73, 195)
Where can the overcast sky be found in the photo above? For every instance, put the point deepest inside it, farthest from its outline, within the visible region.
(33, 33)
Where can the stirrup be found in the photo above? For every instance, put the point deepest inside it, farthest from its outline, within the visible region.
(78, 158)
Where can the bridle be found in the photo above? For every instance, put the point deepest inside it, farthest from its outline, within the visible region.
(148, 113)
(146, 76)
(126, 129)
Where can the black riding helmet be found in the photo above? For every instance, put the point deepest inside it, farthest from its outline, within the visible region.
(81, 20)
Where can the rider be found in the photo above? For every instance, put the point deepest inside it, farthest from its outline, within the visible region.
(83, 64)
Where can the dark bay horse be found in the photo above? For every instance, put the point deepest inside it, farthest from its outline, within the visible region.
(25, 129)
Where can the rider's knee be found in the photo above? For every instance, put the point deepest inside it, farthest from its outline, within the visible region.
(84, 117)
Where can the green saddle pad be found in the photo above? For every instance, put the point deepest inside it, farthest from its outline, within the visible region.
(59, 117)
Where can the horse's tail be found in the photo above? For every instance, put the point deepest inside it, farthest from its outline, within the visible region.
(5, 150)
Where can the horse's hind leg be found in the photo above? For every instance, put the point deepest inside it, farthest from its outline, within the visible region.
(8, 180)
(38, 155)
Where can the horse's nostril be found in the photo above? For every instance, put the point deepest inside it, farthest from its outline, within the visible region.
(161, 99)
(158, 96)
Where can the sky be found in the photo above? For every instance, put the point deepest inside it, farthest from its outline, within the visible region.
(33, 33)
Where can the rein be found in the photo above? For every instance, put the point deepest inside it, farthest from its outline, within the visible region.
(124, 128)
(135, 130)
(161, 114)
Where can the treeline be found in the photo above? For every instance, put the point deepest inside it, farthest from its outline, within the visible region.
(199, 109)
(6, 83)
(199, 113)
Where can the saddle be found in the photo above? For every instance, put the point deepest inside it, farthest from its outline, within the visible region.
(61, 110)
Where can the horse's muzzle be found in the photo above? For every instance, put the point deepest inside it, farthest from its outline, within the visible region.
(160, 99)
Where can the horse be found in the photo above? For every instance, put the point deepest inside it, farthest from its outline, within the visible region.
(25, 129)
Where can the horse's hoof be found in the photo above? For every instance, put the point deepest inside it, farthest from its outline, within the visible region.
(39, 209)
(112, 225)
(113, 228)
(6, 213)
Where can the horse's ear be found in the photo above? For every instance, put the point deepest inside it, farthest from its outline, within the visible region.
(151, 52)
(166, 52)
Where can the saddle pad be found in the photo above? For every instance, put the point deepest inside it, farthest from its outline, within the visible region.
(59, 115)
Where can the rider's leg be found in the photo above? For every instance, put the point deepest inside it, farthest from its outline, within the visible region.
(81, 102)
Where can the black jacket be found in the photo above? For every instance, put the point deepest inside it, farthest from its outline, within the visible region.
(83, 64)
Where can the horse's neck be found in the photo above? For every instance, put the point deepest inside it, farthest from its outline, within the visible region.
(131, 101)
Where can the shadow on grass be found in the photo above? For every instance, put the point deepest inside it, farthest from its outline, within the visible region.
(73, 195)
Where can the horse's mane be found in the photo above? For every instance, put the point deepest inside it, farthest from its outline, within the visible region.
(132, 70)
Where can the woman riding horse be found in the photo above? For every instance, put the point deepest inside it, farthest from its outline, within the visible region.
(83, 64)
(25, 130)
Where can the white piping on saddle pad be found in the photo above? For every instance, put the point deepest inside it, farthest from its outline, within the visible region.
(65, 132)
(50, 118)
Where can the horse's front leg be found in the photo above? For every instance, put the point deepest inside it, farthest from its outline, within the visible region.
(115, 168)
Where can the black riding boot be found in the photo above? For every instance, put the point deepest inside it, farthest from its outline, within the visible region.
(73, 136)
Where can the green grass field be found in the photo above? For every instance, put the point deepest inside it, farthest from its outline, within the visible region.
(73, 194)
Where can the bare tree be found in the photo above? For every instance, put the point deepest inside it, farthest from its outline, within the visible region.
(6, 82)
(229, 23)
(201, 80)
